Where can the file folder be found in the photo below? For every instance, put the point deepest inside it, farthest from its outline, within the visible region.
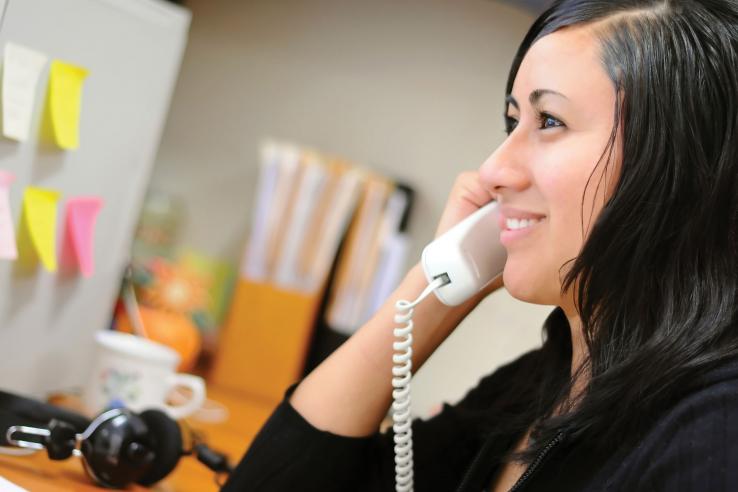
(264, 344)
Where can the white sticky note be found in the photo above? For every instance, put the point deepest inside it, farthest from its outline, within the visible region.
(8, 486)
(22, 69)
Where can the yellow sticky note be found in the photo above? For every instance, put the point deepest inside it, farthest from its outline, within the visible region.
(65, 99)
(39, 220)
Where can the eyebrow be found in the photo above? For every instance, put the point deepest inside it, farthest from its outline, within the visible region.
(534, 97)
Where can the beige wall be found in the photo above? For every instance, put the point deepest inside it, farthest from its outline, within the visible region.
(413, 89)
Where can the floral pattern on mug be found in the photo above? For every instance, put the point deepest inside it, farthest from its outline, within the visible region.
(122, 386)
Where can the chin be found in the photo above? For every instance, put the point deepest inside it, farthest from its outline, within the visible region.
(523, 284)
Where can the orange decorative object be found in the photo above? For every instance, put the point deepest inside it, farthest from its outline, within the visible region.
(171, 329)
(174, 288)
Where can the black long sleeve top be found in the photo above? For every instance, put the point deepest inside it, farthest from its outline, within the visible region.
(693, 446)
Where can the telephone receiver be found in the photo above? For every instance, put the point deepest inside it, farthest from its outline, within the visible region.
(469, 254)
(457, 265)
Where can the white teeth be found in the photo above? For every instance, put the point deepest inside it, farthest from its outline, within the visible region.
(515, 224)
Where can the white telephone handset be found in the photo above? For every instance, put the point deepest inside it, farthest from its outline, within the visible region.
(469, 253)
(457, 264)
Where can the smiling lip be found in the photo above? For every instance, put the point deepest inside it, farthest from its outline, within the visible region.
(509, 235)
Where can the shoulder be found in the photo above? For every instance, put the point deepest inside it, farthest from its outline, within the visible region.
(711, 405)
(694, 445)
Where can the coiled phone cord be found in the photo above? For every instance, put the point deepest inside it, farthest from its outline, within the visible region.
(401, 375)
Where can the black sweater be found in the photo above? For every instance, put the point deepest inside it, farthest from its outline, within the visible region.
(693, 446)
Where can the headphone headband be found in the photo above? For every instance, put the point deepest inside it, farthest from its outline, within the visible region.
(20, 410)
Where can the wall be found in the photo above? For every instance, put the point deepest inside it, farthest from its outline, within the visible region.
(413, 89)
(47, 320)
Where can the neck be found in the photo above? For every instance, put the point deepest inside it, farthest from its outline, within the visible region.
(578, 352)
(578, 347)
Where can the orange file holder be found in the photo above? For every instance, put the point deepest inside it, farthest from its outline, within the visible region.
(264, 343)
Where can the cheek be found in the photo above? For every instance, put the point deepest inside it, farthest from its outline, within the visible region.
(562, 192)
(574, 177)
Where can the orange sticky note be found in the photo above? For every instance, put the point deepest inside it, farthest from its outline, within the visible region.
(65, 98)
(80, 226)
(8, 249)
(39, 220)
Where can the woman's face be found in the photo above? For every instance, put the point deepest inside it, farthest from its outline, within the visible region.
(561, 112)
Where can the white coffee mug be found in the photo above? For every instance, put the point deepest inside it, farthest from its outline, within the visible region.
(138, 374)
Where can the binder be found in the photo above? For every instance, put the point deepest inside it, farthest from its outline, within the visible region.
(304, 204)
(264, 345)
(358, 260)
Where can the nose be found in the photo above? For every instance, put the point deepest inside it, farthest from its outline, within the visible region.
(504, 170)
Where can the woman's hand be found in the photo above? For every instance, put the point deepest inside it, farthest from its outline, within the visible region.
(467, 196)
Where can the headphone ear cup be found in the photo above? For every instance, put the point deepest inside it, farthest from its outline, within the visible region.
(166, 442)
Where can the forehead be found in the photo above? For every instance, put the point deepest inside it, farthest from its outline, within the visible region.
(567, 61)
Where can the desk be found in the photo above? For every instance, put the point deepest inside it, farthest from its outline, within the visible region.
(232, 437)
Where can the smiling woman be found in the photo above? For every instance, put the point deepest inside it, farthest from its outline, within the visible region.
(556, 136)
(618, 185)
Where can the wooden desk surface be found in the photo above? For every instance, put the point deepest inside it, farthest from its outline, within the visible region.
(232, 437)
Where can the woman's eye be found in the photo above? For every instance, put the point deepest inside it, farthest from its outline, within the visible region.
(548, 121)
(510, 124)
(545, 121)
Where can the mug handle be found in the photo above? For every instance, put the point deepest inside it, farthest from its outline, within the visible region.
(194, 383)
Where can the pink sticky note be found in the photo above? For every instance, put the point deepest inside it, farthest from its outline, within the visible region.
(8, 249)
(80, 225)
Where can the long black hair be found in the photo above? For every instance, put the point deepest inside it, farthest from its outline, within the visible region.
(656, 280)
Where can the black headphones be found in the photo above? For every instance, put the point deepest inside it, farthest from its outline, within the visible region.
(117, 448)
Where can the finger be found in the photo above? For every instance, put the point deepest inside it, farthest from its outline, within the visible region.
(472, 191)
(467, 196)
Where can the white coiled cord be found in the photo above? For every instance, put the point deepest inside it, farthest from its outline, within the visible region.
(401, 374)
